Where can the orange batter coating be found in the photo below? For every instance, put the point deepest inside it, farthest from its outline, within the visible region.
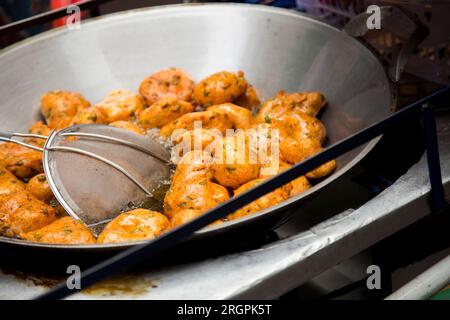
(208, 119)
(236, 164)
(39, 188)
(195, 194)
(220, 87)
(59, 107)
(63, 231)
(185, 216)
(39, 128)
(241, 118)
(20, 211)
(128, 126)
(163, 112)
(309, 103)
(200, 139)
(24, 163)
(121, 105)
(191, 186)
(91, 115)
(168, 83)
(138, 224)
(250, 99)
(264, 202)
(294, 187)
(322, 171)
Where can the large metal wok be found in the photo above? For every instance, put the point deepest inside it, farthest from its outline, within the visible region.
(277, 49)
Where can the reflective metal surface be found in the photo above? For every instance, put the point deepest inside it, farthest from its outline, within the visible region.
(277, 49)
(97, 179)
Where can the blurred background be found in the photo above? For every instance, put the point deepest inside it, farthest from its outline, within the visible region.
(15, 10)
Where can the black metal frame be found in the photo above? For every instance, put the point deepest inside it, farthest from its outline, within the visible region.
(129, 258)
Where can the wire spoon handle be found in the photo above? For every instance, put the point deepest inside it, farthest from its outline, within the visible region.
(9, 137)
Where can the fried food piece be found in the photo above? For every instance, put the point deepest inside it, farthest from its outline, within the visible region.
(200, 139)
(63, 231)
(191, 186)
(236, 164)
(92, 115)
(186, 216)
(39, 188)
(192, 165)
(128, 126)
(300, 126)
(241, 118)
(169, 83)
(309, 103)
(273, 167)
(264, 202)
(293, 151)
(23, 162)
(301, 136)
(194, 194)
(59, 107)
(183, 217)
(121, 105)
(220, 87)
(20, 211)
(138, 224)
(163, 112)
(39, 128)
(322, 171)
(9, 184)
(250, 99)
(208, 120)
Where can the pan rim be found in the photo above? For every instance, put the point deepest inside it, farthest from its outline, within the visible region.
(365, 149)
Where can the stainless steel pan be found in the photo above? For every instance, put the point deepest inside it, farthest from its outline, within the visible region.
(277, 49)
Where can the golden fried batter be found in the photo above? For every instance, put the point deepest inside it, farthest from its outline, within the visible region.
(322, 171)
(92, 115)
(128, 126)
(309, 103)
(183, 217)
(20, 211)
(241, 118)
(186, 216)
(138, 224)
(207, 119)
(195, 194)
(169, 83)
(191, 187)
(39, 128)
(236, 164)
(250, 99)
(121, 105)
(22, 162)
(203, 139)
(38, 187)
(163, 112)
(63, 231)
(221, 87)
(59, 107)
(294, 187)
(264, 202)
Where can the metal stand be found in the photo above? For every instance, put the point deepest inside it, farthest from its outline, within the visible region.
(438, 202)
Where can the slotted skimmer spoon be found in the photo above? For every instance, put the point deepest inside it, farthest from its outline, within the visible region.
(98, 171)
